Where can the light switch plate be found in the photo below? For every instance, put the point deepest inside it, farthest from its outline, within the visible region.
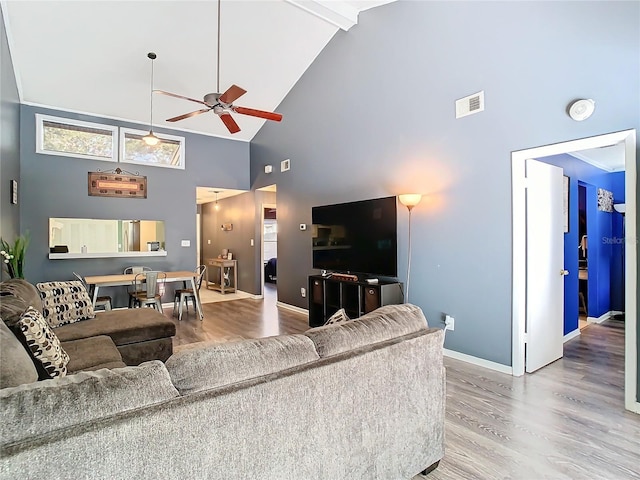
(185, 243)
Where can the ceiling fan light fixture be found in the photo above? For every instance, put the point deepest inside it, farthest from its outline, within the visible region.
(150, 139)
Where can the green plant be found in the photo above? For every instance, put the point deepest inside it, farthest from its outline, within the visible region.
(13, 255)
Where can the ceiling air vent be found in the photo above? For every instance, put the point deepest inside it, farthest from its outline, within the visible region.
(469, 105)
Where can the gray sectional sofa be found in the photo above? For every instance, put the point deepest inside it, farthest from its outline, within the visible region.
(362, 400)
(111, 339)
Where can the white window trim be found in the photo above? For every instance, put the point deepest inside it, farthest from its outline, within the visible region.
(162, 136)
(40, 119)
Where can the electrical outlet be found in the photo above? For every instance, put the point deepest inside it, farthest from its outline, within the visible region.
(449, 322)
(303, 292)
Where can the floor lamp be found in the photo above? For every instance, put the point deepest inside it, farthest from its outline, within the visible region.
(409, 200)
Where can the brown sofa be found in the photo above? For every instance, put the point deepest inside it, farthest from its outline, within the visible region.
(111, 339)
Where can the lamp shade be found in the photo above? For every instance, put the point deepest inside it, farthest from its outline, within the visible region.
(410, 200)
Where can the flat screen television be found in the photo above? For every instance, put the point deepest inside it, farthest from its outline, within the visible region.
(356, 237)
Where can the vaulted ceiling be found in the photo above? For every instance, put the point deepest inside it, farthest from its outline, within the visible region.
(91, 56)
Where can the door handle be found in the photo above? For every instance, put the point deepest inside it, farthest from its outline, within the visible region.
(564, 272)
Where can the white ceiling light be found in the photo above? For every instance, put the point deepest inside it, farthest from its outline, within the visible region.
(581, 109)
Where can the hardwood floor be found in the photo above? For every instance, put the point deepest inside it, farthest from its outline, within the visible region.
(566, 421)
(234, 319)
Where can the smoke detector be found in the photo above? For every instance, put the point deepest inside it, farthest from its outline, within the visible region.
(581, 109)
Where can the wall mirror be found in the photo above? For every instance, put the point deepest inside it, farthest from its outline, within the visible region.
(87, 235)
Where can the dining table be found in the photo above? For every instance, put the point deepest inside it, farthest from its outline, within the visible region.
(121, 279)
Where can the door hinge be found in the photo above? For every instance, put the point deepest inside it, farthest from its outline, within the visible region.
(526, 338)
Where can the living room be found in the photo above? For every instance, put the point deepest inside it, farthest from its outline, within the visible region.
(349, 137)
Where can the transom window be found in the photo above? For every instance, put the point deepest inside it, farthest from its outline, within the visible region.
(169, 152)
(74, 138)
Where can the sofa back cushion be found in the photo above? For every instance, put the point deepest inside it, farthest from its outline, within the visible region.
(208, 365)
(16, 295)
(16, 366)
(65, 302)
(46, 406)
(382, 324)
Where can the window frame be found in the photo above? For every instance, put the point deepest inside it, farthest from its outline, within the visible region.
(162, 136)
(41, 118)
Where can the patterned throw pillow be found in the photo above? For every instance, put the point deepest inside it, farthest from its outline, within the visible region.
(339, 317)
(43, 344)
(65, 302)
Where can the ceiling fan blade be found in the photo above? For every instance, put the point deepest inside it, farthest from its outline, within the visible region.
(233, 93)
(230, 123)
(276, 117)
(187, 115)
(181, 96)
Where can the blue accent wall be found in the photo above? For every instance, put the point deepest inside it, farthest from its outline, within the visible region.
(605, 282)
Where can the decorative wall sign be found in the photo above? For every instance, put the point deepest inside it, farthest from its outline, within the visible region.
(117, 183)
(605, 200)
(226, 227)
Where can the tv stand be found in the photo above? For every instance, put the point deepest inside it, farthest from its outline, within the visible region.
(327, 295)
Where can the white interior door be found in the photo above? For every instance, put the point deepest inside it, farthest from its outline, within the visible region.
(545, 265)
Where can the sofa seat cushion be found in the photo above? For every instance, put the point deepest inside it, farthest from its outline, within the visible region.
(16, 366)
(16, 295)
(43, 407)
(123, 326)
(210, 365)
(92, 353)
(382, 324)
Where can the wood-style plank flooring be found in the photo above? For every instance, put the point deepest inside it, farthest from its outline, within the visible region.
(566, 421)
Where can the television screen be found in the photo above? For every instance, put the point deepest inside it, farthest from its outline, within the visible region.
(356, 237)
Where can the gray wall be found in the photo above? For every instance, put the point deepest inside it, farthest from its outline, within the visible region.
(240, 212)
(56, 186)
(9, 143)
(374, 116)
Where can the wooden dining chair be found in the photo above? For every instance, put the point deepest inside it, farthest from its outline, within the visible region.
(148, 288)
(102, 301)
(182, 295)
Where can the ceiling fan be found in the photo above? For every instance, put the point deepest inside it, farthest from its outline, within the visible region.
(222, 103)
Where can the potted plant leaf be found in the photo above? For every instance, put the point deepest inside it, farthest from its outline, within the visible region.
(13, 255)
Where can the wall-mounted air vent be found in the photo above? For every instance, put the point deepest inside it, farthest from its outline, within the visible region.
(469, 105)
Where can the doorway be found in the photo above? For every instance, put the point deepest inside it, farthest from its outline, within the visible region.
(519, 184)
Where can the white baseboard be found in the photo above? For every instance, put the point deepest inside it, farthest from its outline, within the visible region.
(603, 317)
(571, 335)
(481, 362)
(635, 408)
(293, 308)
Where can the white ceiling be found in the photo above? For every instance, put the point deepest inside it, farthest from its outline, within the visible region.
(91, 56)
(610, 159)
